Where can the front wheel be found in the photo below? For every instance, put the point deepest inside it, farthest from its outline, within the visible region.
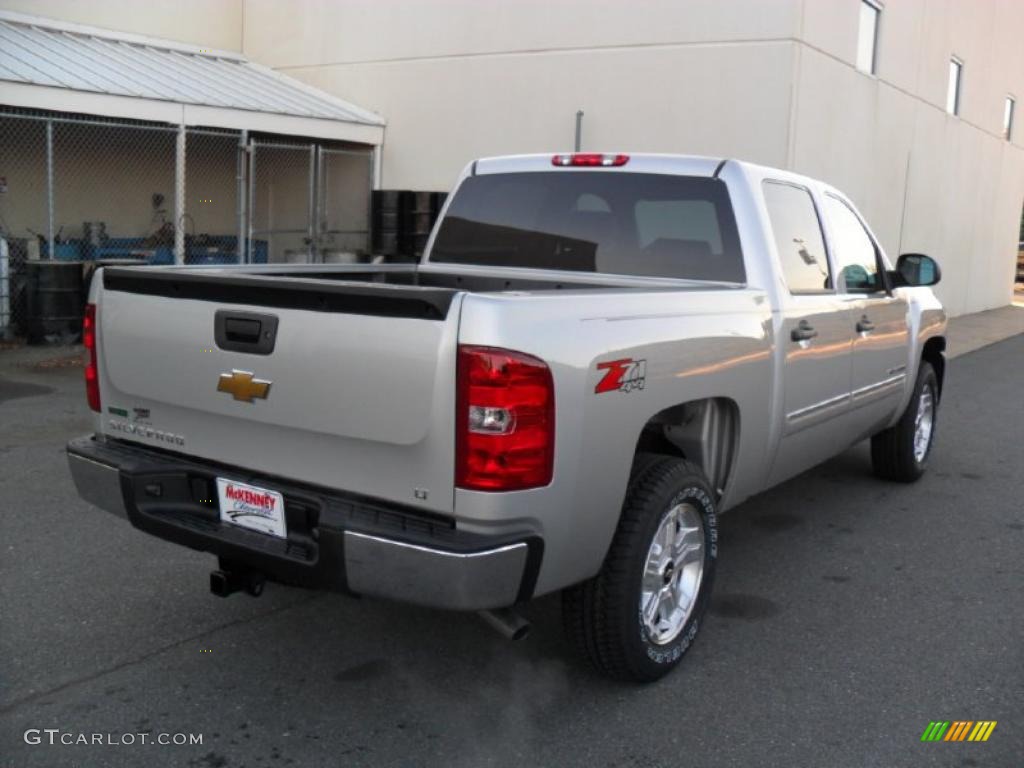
(640, 614)
(901, 452)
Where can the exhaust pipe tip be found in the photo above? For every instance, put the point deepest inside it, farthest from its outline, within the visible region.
(507, 623)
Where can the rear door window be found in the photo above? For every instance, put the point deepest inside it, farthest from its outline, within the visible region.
(798, 238)
(654, 225)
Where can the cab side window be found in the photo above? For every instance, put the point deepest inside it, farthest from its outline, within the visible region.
(854, 252)
(798, 237)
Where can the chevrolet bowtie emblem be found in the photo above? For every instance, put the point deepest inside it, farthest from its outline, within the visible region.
(242, 386)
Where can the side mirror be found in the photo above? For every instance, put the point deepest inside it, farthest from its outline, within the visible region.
(914, 270)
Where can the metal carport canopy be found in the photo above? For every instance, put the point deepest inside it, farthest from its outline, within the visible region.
(52, 65)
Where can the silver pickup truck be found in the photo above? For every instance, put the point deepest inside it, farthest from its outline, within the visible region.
(597, 355)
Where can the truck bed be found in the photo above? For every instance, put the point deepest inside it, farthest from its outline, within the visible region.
(359, 376)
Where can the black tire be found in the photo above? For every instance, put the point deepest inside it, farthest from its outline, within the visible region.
(602, 616)
(892, 451)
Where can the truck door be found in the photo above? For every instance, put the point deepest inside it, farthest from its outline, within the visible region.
(880, 327)
(816, 335)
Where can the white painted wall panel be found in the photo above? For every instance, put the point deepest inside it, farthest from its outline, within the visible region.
(334, 32)
(713, 100)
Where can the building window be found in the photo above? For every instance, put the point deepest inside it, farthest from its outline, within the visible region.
(956, 72)
(1008, 109)
(867, 37)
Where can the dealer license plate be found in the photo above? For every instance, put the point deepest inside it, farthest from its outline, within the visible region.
(250, 507)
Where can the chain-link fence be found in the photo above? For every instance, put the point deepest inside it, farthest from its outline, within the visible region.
(214, 195)
(345, 178)
(79, 191)
(281, 184)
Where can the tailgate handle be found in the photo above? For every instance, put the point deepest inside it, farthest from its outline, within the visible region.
(252, 332)
(240, 329)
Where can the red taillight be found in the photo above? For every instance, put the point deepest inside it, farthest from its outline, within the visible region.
(92, 381)
(505, 422)
(589, 160)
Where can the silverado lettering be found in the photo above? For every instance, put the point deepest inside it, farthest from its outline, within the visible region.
(141, 430)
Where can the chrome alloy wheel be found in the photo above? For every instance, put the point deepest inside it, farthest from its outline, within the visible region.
(673, 573)
(924, 423)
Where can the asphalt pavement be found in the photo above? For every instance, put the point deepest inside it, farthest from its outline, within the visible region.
(848, 614)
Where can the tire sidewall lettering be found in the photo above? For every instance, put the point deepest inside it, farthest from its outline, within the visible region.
(669, 654)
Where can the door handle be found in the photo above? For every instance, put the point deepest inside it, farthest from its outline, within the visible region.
(865, 325)
(803, 332)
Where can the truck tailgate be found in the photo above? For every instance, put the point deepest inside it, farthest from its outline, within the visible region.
(361, 378)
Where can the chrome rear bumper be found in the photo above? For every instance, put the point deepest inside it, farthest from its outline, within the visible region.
(454, 571)
(98, 483)
(433, 577)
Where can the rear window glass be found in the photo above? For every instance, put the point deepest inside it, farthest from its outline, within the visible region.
(646, 224)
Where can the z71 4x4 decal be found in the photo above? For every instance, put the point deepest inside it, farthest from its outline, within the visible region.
(622, 375)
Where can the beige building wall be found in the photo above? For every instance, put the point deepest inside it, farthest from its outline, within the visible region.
(927, 181)
(457, 80)
(772, 81)
(204, 23)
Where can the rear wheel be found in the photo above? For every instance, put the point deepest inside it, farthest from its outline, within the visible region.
(641, 613)
(901, 452)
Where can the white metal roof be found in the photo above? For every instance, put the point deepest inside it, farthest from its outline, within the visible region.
(68, 58)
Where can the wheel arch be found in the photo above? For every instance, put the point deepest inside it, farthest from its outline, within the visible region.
(704, 432)
(934, 352)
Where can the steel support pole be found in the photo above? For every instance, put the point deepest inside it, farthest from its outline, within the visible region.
(377, 167)
(250, 245)
(179, 196)
(311, 251)
(5, 291)
(49, 190)
(371, 184)
(240, 192)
